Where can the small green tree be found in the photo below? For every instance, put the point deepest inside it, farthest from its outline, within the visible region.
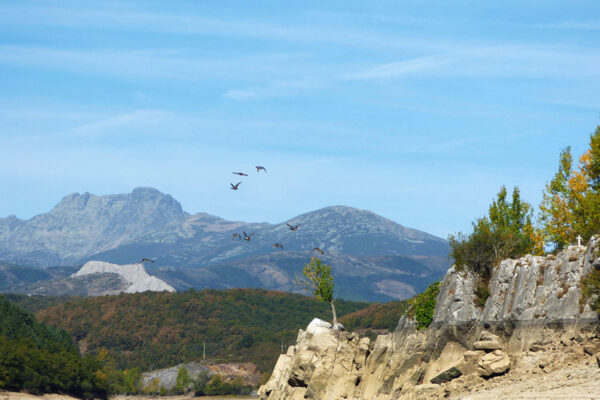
(317, 278)
(183, 380)
(131, 380)
(200, 383)
(215, 386)
(423, 305)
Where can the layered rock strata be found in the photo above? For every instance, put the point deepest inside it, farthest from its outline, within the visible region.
(534, 305)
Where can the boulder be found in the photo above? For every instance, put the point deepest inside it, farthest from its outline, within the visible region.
(590, 349)
(447, 376)
(487, 345)
(494, 363)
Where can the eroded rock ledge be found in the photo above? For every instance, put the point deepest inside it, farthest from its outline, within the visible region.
(534, 308)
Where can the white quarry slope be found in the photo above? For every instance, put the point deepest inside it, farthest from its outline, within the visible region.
(134, 274)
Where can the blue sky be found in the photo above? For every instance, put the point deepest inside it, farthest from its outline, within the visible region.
(416, 110)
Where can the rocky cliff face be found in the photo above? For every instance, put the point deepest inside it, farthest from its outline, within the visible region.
(533, 313)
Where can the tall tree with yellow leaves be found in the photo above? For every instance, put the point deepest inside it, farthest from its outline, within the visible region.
(556, 216)
(571, 202)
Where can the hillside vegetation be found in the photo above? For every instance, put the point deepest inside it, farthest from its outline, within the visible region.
(153, 330)
(377, 316)
(41, 359)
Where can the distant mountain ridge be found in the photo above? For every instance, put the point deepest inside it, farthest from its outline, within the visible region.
(83, 224)
(123, 228)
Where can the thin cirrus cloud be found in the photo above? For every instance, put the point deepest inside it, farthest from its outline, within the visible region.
(490, 61)
(396, 69)
(117, 18)
(277, 88)
(136, 64)
(576, 25)
(460, 61)
(100, 127)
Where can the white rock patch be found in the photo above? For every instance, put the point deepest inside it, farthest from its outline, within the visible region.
(134, 274)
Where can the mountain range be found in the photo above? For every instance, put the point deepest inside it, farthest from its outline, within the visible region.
(373, 258)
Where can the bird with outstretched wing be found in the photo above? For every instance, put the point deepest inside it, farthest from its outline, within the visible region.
(293, 228)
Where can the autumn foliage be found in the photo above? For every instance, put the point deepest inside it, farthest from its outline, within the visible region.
(570, 208)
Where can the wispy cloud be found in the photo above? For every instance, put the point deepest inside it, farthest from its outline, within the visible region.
(174, 65)
(277, 88)
(576, 25)
(117, 124)
(401, 68)
(491, 61)
(118, 17)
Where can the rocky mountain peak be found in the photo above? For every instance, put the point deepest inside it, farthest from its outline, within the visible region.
(83, 224)
(354, 231)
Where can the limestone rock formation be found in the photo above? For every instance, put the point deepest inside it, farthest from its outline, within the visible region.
(532, 316)
(496, 362)
(324, 363)
(167, 377)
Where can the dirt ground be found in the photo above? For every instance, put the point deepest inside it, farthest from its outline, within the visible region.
(561, 373)
(566, 372)
(26, 396)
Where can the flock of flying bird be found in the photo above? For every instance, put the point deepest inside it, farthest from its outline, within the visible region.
(249, 237)
(246, 236)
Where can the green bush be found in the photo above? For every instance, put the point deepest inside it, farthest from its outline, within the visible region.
(200, 383)
(423, 305)
(590, 289)
(503, 233)
(482, 292)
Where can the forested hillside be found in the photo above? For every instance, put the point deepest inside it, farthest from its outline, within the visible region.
(155, 330)
(378, 316)
(41, 359)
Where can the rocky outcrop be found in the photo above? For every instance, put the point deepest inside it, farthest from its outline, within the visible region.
(324, 363)
(527, 289)
(167, 377)
(534, 305)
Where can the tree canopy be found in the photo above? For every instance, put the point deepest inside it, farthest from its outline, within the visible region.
(505, 232)
(317, 278)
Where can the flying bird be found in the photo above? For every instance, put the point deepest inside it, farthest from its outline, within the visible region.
(293, 228)
(248, 238)
(275, 245)
(240, 174)
(235, 187)
(236, 235)
(319, 250)
(145, 260)
(258, 168)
